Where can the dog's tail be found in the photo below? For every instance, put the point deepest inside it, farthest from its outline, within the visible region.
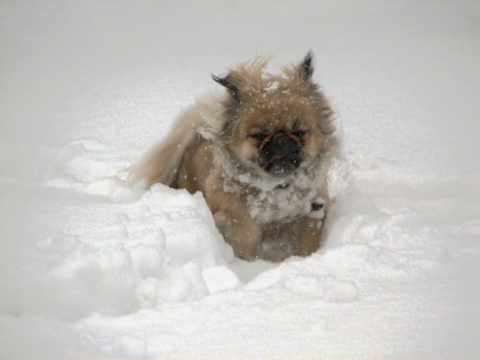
(162, 162)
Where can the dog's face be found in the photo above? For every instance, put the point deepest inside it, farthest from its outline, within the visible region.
(273, 124)
(277, 134)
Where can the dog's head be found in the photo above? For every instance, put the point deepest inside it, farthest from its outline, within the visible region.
(275, 124)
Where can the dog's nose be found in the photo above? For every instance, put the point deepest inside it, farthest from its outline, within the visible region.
(280, 145)
(281, 155)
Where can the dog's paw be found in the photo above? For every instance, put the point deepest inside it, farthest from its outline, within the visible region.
(318, 205)
(317, 208)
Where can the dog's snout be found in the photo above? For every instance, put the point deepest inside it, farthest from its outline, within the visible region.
(280, 144)
(280, 155)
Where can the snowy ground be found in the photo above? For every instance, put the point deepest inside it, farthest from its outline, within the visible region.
(93, 267)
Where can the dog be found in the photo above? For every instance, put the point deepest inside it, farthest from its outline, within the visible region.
(260, 155)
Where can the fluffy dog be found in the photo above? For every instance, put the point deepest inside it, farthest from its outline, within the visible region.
(260, 155)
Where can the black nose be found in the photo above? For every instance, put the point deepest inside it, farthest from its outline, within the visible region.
(280, 156)
(281, 145)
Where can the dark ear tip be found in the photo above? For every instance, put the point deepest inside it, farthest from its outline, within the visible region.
(309, 57)
(225, 81)
(221, 80)
(307, 66)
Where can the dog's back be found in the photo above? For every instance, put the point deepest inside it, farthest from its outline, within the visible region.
(171, 162)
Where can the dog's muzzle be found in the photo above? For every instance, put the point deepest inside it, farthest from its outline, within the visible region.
(281, 156)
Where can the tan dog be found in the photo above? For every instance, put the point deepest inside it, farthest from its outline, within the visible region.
(260, 156)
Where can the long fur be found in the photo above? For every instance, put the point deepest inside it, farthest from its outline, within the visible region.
(162, 162)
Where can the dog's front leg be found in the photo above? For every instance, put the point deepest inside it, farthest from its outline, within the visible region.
(309, 235)
(242, 234)
(311, 224)
(232, 218)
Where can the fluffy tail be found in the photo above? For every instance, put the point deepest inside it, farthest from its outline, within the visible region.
(161, 163)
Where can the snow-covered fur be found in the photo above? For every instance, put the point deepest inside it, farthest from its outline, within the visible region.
(260, 155)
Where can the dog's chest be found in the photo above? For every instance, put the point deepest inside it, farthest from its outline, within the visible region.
(281, 203)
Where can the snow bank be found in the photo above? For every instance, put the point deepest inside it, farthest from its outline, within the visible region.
(93, 267)
(131, 255)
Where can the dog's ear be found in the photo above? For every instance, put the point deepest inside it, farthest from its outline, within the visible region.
(231, 105)
(301, 82)
(305, 69)
(227, 82)
(298, 78)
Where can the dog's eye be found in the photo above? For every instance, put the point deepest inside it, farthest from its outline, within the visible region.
(299, 133)
(260, 136)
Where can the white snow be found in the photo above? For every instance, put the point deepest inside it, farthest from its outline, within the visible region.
(93, 267)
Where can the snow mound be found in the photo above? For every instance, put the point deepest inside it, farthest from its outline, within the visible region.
(134, 255)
